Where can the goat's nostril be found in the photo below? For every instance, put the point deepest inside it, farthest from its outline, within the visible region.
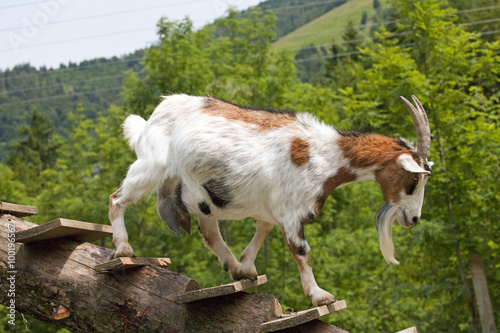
(415, 219)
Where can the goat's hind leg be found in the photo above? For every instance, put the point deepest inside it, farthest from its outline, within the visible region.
(117, 207)
(247, 269)
(209, 230)
(142, 178)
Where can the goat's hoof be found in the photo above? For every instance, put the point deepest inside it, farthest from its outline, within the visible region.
(124, 251)
(246, 272)
(320, 297)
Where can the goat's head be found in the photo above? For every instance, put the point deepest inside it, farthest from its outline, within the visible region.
(403, 182)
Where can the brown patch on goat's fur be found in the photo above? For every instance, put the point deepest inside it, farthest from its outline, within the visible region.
(365, 150)
(299, 151)
(264, 119)
(113, 207)
(342, 176)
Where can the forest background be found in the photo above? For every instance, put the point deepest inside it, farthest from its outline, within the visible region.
(62, 148)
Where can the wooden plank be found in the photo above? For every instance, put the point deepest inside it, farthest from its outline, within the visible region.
(17, 210)
(299, 318)
(123, 263)
(409, 330)
(225, 289)
(63, 228)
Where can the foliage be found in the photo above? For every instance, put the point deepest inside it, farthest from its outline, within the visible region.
(35, 152)
(56, 92)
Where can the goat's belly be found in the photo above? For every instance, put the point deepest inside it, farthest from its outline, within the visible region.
(202, 203)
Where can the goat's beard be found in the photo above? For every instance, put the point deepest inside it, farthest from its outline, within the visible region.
(383, 222)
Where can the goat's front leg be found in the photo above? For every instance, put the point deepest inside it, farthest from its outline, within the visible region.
(294, 236)
(247, 269)
(209, 230)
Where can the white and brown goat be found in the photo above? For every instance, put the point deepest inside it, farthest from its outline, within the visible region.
(217, 160)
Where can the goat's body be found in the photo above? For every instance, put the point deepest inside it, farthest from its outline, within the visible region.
(216, 160)
(198, 148)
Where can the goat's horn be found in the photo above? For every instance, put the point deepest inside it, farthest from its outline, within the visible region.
(421, 126)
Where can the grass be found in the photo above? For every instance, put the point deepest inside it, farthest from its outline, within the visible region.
(329, 27)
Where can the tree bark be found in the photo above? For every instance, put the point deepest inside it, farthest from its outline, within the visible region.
(38, 278)
(483, 300)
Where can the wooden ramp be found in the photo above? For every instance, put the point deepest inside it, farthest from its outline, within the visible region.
(299, 318)
(86, 232)
(217, 291)
(120, 264)
(63, 228)
(17, 210)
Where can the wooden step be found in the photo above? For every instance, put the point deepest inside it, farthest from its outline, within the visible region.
(63, 228)
(17, 210)
(225, 289)
(298, 318)
(123, 263)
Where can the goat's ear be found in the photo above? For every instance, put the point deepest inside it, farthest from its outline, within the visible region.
(405, 161)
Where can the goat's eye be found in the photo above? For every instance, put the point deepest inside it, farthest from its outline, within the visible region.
(415, 177)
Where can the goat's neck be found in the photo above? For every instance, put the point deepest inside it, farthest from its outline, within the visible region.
(370, 151)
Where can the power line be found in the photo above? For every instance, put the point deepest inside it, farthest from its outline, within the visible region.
(392, 35)
(327, 30)
(306, 5)
(59, 70)
(482, 21)
(61, 96)
(108, 14)
(79, 39)
(148, 28)
(20, 5)
(346, 54)
(390, 22)
(169, 5)
(66, 83)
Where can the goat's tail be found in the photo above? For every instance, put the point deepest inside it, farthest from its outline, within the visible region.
(132, 128)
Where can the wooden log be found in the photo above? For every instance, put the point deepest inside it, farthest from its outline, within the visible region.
(17, 210)
(120, 264)
(225, 289)
(63, 228)
(46, 275)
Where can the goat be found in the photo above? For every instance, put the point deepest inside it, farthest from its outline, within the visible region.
(217, 160)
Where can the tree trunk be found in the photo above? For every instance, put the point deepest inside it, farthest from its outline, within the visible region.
(45, 275)
(456, 243)
(482, 295)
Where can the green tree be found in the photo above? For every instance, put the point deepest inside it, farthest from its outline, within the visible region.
(35, 152)
(11, 190)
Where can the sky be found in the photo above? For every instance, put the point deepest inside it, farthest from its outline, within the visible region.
(51, 32)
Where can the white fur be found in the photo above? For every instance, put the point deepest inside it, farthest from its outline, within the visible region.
(132, 127)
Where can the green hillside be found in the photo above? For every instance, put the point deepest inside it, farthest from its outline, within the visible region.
(329, 26)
